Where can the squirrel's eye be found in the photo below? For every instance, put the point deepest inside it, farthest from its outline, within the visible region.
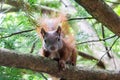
(45, 41)
(58, 39)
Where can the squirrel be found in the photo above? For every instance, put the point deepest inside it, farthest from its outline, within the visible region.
(58, 43)
(57, 48)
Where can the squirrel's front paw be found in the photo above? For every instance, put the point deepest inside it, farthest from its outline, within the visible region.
(62, 65)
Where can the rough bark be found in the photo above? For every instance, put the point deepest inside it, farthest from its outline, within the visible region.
(103, 13)
(40, 64)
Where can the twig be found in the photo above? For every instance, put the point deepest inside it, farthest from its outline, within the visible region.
(1, 4)
(111, 48)
(114, 62)
(33, 46)
(31, 18)
(6, 10)
(107, 51)
(20, 32)
(63, 3)
(96, 40)
(87, 56)
(80, 18)
(114, 43)
(43, 76)
(103, 34)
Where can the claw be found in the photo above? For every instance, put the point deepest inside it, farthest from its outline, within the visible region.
(62, 65)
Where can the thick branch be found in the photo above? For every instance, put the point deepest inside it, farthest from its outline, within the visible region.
(103, 13)
(40, 64)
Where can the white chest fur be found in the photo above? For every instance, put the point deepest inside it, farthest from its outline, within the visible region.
(54, 55)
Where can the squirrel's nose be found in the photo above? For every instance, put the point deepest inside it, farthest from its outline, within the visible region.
(52, 47)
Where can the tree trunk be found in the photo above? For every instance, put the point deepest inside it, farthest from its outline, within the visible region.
(103, 13)
(40, 64)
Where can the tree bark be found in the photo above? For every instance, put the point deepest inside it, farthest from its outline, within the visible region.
(103, 13)
(40, 64)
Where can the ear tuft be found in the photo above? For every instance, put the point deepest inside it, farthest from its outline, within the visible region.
(59, 30)
(43, 32)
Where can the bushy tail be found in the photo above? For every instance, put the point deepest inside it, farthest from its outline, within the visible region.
(52, 23)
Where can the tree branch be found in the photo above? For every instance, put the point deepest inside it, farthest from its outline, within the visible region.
(103, 13)
(33, 46)
(7, 10)
(96, 40)
(20, 32)
(40, 64)
(105, 43)
(80, 18)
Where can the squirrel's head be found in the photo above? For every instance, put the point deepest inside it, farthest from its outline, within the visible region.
(52, 40)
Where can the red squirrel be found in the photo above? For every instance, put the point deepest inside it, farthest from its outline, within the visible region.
(55, 47)
(57, 44)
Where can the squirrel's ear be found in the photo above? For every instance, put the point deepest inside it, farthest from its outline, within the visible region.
(59, 30)
(43, 32)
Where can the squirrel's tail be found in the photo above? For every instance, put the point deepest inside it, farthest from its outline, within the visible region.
(51, 23)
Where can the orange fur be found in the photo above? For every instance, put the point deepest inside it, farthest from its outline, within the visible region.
(51, 23)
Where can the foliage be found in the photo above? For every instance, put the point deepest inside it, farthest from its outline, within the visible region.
(117, 10)
(18, 21)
